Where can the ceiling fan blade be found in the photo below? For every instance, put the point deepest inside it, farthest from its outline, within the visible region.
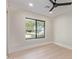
(55, 1)
(51, 1)
(63, 4)
(51, 9)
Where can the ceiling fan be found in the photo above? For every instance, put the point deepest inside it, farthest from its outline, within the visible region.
(58, 4)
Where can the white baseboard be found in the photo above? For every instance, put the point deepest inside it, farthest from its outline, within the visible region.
(36, 45)
(24, 47)
(62, 45)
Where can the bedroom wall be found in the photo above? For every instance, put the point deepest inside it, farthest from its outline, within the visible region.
(62, 29)
(16, 33)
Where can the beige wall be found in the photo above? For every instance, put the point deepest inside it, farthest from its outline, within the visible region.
(58, 29)
(62, 29)
(16, 33)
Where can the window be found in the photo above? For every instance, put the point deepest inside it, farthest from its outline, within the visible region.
(34, 28)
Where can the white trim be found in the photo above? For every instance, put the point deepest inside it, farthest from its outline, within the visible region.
(63, 45)
(28, 47)
(37, 45)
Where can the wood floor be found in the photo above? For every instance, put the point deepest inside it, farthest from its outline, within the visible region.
(50, 51)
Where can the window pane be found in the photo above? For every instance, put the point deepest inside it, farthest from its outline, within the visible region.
(40, 29)
(30, 28)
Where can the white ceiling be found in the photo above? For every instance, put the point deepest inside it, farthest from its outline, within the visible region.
(40, 6)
